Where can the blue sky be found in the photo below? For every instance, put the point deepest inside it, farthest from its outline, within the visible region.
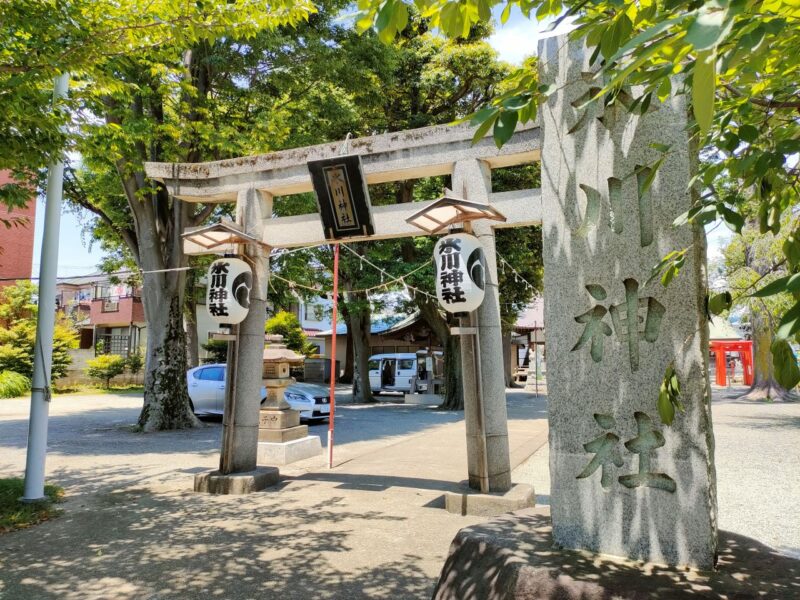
(513, 41)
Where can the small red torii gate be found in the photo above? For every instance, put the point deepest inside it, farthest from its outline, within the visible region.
(720, 348)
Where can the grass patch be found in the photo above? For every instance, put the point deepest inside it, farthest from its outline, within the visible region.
(72, 390)
(13, 384)
(124, 388)
(18, 515)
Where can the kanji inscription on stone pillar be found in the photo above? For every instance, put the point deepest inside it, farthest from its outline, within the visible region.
(622, 482)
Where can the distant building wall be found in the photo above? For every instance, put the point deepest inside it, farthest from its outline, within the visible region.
(17, 242)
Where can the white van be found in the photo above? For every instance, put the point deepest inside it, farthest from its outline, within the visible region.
(406, 371)
(393, 372)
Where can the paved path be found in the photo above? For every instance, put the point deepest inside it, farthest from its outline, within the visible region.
(132, 528)
(758, 469)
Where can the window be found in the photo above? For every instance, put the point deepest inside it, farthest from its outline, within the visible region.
(213, 374)
(406, 364)
(314, 312)
(373, 365)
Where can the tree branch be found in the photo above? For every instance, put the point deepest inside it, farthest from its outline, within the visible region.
(762, 101)
(199, 217)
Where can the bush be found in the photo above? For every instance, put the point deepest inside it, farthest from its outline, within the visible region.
(105, 367)
(18, 332)
(134, 363)
(217, 351)
(16, 348)
(286, 324)
(13, 384)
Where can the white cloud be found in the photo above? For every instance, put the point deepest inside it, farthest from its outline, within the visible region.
(518, 38)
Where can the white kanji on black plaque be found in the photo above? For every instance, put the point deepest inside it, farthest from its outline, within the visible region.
(228, 290)
(460, 272)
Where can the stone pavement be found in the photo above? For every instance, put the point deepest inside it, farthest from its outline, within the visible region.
(370, 528)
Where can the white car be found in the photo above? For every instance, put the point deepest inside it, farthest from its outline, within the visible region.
(207, 393)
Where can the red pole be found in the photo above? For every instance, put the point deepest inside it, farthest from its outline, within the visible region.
(331, 418)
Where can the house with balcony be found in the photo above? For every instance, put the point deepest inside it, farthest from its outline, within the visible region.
(106, 310)
(117, 316)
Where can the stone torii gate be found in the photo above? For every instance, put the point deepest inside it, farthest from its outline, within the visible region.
(253, 183)
(622, 482)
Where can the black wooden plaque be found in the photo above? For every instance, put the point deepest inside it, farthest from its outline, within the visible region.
(342, 197)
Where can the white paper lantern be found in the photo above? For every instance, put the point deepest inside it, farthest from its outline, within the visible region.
(460, 272)
(228, 291)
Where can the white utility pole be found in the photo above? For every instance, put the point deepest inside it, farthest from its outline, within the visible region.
(45, 323)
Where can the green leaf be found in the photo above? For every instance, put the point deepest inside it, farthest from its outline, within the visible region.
(515, 102)
(787, 372)
(790, 323)
(644, 37)
(720, 302)
(773, 287)
(668, 275)
(483, 114)
(480, 132)
(709, 28)
(665, 408)
(791, 249)
(748, 133)
(504, 127)
(506, 13)
(732, 219)
(400, 17)
(703, 87)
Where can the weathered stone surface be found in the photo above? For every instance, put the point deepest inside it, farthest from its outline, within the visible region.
(623, 483)
(423, 399)
(472, 179)
(214, 482)
(289, 452)
(278, 419)
(240, 424)
(469, 502)
(283, 435)
(512, 557)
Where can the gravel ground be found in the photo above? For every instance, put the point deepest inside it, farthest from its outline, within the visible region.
(757, 458)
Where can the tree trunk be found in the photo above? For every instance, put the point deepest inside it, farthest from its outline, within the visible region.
(166, 398)
(190, 319)
(359, 331)
(764, 387)
(509, 362)
(347, 377)
(453, 390)
(453, 382)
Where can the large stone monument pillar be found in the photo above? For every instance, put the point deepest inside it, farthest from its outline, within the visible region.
(622, 482)
(472, 180)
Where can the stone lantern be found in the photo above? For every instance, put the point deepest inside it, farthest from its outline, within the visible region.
(278, 423)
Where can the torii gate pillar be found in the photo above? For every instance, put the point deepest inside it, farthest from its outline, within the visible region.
(487, 393)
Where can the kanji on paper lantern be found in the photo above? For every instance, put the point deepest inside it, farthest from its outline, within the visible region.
(460, 272)
(228, 291)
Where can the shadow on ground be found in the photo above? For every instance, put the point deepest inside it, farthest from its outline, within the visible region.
(136, 544)
(514, 557)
